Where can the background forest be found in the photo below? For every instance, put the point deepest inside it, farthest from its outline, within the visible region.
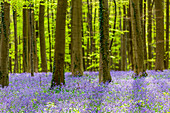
(121, 42)
(119, 34)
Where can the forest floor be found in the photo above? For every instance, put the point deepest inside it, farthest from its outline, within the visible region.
(84, 94)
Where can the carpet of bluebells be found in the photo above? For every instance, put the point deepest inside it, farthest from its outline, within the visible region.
(27, 94)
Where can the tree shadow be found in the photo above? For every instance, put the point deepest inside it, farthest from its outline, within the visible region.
(162, 87)
(138, 95)
(96, 98)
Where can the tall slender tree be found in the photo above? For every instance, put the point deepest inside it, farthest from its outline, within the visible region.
(29, 38)
(94, 31)
(16, 39)
(25, 40)
(0, 32)
(58, 72)
(149, 29)
(144, 35)
(130, 44)
(159, 35)
(114, 32)
(32, 39)
(137, 39)
(34, 42)
(104, 67)
(49, 34)
(76, 36)
(167, 36)
(4, 77)
(42, 37)
(123, 42)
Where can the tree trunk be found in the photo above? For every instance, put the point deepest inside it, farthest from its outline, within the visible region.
(123, 43)
(130, 47)
(49, 36)
(90, 31)
(58, 75)
(104, 68)
(25, 40)
(159, 35)
(149, 34)
(83, 50)
(4, 77)
(121, 36)
(137, 39)
(144, 36)
(94, 31)
(16, 40)
(88, 47)
(35, 47)
(42, 38)
(34, 44)
(167, 36)
(32, 39)
(76, 36)
(29, 39)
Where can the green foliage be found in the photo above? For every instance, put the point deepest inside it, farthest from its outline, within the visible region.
(17, 5)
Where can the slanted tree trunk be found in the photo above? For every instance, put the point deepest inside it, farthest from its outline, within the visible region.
(42, 37)
(4, 77)
(159, 35)
(76, 36)
(167, 36)
(58, 75)
(104, 67)
(137, 39)
(16, 40)
(25, 40)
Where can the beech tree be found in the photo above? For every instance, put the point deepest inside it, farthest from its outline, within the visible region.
(4, 55)
(159, 35)
(16, 39)
(167, 36)
(104, 68)
(149, 33)
(58, 72)
(25, 39)
(76, 36)
(139, 68)
(42, 37)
